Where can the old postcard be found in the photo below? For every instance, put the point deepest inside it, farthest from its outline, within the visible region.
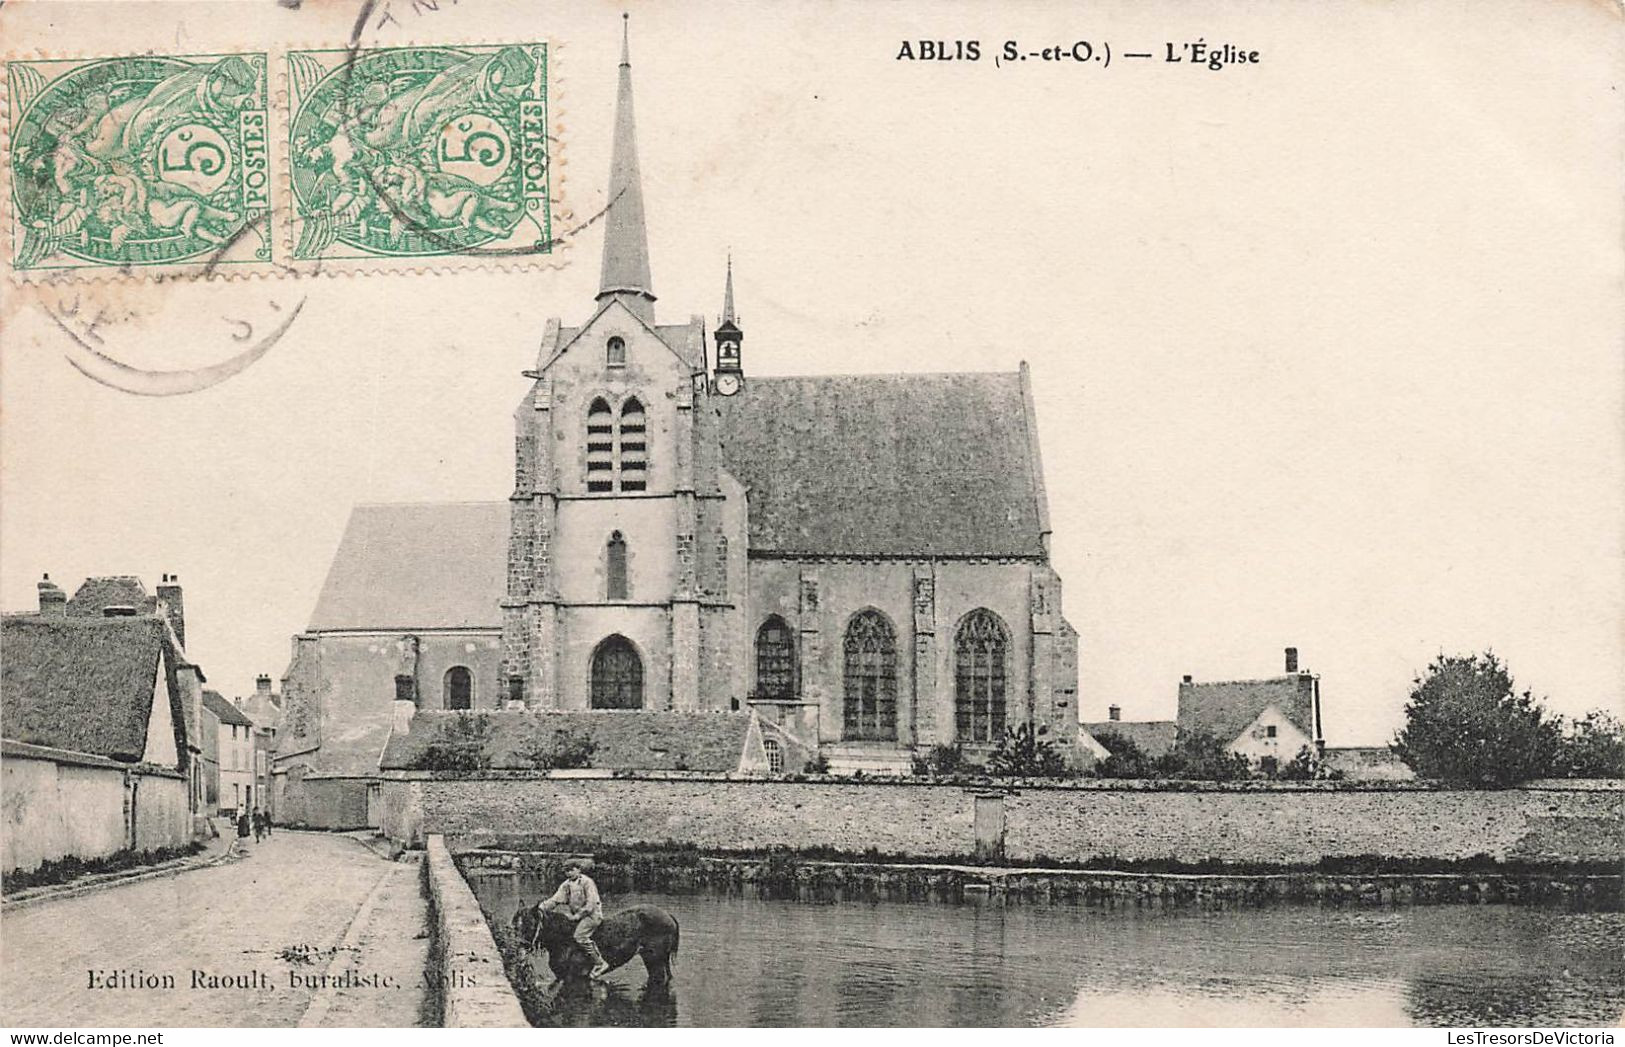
(811, 514)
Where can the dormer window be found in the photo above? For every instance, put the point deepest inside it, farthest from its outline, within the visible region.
(615, 352)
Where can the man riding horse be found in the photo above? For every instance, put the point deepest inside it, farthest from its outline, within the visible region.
(577, 897)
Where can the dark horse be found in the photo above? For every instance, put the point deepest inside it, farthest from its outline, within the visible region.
(643, 930)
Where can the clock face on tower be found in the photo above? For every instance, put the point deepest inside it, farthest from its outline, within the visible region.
(727, 384)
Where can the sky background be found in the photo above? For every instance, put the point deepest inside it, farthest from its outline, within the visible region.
(1326, 351)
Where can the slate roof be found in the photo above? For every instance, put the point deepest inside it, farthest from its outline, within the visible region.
(887, 465)
(645, 740)
(225, 711)
(84, 684)
(1224, 709)
(1154, 737)
(116, 590)
(411, 567)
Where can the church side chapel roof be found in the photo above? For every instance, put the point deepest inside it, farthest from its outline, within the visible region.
(886, 465)
(1225, 709)
(407, 567)
(624, 740)
(83, 684)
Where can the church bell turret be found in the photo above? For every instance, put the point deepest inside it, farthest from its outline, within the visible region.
(730, 371)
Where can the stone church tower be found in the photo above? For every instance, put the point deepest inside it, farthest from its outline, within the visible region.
(619, 567)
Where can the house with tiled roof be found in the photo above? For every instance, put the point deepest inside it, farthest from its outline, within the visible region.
(229, 776)
(99, 729)
(1268, 719)
(861, 562)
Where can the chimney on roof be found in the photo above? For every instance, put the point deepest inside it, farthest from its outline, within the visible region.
(1114, 713)
(171, 606)
(118, 610)
(1186, 678)
(53, 602)
(1291, 659)
(262, 685)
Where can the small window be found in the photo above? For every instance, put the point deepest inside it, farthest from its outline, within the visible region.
(1269, 732)
(516, 688)
(615, 567)
(459, 688)
(615, 352)
(775, 756)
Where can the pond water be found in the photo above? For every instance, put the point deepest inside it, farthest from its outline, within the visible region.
(750, 961)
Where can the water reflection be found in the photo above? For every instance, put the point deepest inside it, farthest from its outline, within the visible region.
(746, 961)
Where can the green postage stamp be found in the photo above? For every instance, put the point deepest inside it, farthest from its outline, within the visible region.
(433, 153)
(143, 161)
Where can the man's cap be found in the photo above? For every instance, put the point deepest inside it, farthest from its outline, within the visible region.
(578, 861)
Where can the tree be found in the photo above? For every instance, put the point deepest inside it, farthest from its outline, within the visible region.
(1022, 754)
(1465, 724)
(1124, 758)
(1594, 747)
(462, 744)
(1203, 757)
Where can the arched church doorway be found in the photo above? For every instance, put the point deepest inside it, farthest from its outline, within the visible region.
(617, 675)
(459, 688)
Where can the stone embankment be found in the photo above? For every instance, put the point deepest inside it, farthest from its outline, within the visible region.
(790, 876)
(475, 986)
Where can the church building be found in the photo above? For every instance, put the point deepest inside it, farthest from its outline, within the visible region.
(858, 562)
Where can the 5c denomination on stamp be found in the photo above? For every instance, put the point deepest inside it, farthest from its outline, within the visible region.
(154, 161)
(437, 153)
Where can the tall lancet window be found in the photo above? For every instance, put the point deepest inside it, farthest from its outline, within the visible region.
(979, 676)
(775, 660)
(615, 567)
(870, 678)
(615, 352)
(600, 447)
(634, 447)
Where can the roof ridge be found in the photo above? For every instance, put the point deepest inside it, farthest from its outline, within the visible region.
(890, 374)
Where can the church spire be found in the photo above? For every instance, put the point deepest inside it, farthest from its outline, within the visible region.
(728, 294)
(625, 273)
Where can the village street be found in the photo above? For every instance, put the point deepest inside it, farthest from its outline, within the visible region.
(257, 941)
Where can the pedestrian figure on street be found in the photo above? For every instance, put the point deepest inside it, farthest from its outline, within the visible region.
(242, 828)
(577, 898)
(259, 826)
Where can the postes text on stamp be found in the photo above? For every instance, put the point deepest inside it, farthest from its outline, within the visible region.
(151, 161)
(419, 152)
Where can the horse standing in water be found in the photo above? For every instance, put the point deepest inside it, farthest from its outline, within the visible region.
(647, 931)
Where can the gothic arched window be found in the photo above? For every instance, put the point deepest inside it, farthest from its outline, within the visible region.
(775, 660)
(870, 679)
(459, 688)
(980, 647)
(775, 755)
(617, 675)
(615, 352)
(633, 451)
(615, 568)
(600, 447)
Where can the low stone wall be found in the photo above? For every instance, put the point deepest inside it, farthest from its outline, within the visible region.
(1093, 821)
(476, 990)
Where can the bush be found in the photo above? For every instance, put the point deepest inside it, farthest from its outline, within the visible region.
(1306, 767)
(942, 759)
(463, 744)
(817, 764)
(1021, 753)
(1199, 756)
(566, 750)
(1125, 759)
(1593, 748)
(1464, 724)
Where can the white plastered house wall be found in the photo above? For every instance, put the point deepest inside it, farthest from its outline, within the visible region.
(1258, 741)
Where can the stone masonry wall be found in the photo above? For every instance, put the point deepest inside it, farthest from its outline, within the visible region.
(1065, 823)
